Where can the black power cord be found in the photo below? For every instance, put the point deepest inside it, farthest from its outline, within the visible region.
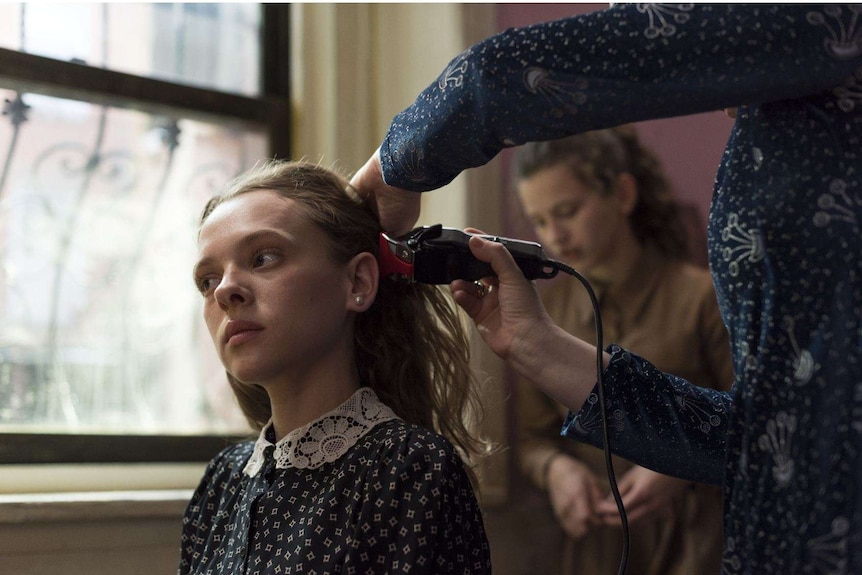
(600, 386)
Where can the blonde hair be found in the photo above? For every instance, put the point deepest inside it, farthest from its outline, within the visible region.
(411, 346)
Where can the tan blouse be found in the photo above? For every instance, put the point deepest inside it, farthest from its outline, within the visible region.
(666, 312)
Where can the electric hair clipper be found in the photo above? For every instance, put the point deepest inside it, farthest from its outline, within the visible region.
(438, 255)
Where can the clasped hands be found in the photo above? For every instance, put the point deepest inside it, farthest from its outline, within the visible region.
(581, 505)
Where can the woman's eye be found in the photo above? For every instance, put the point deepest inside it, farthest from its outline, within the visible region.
(568, 212)
(205, 285)
(264, 258)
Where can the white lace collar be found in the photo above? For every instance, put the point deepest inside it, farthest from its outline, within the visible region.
(325, 439)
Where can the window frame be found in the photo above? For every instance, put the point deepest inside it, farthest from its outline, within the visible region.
(271, 111)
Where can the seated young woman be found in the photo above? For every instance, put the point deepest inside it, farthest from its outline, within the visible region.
(360, 388)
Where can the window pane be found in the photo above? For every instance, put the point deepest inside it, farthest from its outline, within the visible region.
(100, 323)
(214, 46)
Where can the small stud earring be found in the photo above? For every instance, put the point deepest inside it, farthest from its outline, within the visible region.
(358, 300)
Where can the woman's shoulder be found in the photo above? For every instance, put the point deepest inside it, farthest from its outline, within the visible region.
(398, 442)
(414, 458)
(224, 469)
(398, 433)
(231, 459)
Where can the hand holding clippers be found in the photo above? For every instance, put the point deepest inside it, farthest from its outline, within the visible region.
(438, 255)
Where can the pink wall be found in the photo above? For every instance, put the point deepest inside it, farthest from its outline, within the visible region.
(689, 147)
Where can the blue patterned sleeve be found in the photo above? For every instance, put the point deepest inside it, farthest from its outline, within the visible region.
(628, 63)
(657, 420)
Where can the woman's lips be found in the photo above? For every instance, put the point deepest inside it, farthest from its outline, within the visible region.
(240, 331)
(242, 337)
(569, 256)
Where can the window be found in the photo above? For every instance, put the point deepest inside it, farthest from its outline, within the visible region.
(118, 122)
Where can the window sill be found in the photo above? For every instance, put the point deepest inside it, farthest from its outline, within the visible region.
(45, 478)
(92, 506)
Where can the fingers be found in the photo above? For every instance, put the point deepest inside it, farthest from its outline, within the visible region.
(574, 493)
(368, 178)
(500, 259)
(643, 495)
(508, 311)
(576, 525)
(397, 209)
(627, 488)
(481, 288)
(469, 295)
(574, 514)
(635, 512)
(472, 296)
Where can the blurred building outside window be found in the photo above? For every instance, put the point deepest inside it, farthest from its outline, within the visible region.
(101, 329)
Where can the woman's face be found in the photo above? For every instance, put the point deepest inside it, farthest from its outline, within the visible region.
(575, 223)
(275, 304)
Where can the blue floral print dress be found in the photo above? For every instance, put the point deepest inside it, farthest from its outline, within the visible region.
(356, 491)
(784, 240)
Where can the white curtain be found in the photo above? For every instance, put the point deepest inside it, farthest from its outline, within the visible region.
(356, 65)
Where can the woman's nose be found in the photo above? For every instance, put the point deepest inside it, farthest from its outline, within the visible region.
(556, 232)
(232, 291)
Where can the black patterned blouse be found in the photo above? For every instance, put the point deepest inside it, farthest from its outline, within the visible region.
(784, 239)
(357, 491)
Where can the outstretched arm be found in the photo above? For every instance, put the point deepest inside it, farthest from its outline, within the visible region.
(659, 421)
(628, 63)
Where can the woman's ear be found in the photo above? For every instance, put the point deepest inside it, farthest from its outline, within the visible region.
(364, 275)
(626, 192)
